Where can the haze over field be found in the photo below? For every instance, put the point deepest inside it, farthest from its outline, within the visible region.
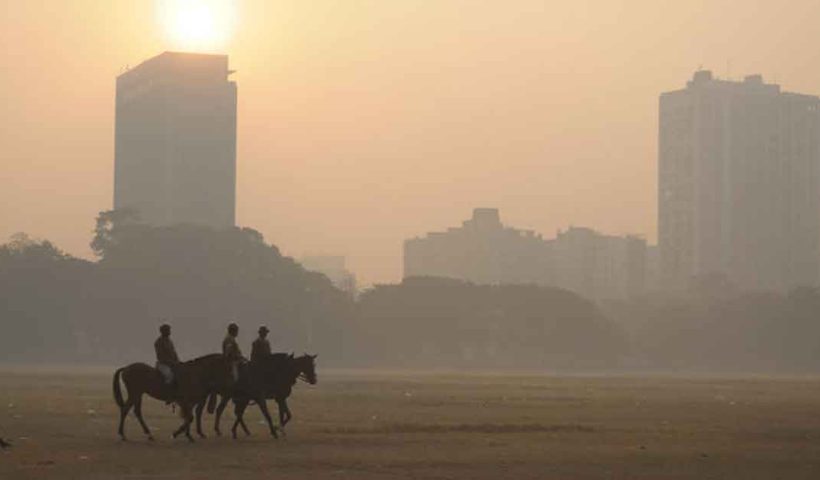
(363, 123)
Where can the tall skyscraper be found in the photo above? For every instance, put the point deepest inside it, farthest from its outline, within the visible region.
(175, 158)
(739, 184)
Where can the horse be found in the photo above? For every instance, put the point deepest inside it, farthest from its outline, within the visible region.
(250, 385)
(272, 378)
(195, 378)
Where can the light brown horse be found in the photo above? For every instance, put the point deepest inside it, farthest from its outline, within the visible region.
(195, 379)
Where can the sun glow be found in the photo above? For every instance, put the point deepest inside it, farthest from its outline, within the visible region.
(197, 25)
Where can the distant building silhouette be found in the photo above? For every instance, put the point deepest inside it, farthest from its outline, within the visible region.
(175, 153)
(334, 268)
(484, 251)
(599, 266)
(739, 184)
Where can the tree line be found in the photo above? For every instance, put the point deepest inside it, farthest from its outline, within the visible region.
(59, 308)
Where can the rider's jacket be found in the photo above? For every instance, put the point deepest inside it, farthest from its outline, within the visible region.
(230, 349)
(260, 349)
(166, 353)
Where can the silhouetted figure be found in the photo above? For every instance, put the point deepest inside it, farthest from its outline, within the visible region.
(231, 350)
(167, 358)
(261, 346)
(4, 444)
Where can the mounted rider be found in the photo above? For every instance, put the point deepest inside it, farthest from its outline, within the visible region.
(260, 349)
(167, 359)
(231, 351)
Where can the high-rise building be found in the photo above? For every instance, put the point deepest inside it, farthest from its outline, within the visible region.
(175, 153)
(739, 184)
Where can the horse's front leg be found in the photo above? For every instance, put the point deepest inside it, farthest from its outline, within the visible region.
(284, 412)
(239, 410)
(188, 418)
(263, 406)
(199, 408)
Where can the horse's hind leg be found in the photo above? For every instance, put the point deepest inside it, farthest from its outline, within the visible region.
(138, 413)
(124, 413)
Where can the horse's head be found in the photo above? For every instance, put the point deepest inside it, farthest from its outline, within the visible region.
(306, 367)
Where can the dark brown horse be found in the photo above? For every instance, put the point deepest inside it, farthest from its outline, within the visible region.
(272, 378)
(195, 379)
(251, 385)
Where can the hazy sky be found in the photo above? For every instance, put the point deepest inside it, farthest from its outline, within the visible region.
(362, 123)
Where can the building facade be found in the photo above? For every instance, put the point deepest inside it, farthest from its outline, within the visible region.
(738, 178)
(175, 140)
(485, 251)
(335, 269)
(599, 266)
(482, 251)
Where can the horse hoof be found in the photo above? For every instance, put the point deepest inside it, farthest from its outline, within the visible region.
(150, 438)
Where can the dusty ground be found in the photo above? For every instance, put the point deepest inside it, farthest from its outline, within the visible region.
(435, 426)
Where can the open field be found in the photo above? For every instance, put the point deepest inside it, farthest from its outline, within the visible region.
(434, 426)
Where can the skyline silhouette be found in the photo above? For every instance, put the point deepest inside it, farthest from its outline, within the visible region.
(358, 131)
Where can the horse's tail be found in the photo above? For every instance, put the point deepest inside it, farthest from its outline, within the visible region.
(212, 403)
(117, 389)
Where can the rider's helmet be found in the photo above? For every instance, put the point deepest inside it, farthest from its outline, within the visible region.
(165, 329)
(233, 328)
(263, 330)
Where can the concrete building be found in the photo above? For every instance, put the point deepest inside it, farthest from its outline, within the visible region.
(738, 178)
(484, 251)
(175, 145)
(599, 266)
(334, 268)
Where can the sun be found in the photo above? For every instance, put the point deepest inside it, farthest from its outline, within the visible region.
(197, 25)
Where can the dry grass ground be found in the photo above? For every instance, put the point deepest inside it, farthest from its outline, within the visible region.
(435, 426)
